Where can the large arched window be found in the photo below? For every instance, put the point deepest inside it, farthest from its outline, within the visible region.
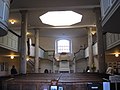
(63, 46)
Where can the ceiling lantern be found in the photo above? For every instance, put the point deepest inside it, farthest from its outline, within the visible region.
(61, 18)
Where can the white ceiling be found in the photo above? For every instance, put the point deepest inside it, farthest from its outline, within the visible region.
(38, 7)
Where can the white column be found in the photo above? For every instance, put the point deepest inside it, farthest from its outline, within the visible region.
(90, 42)
(24, 21)
(36, 51)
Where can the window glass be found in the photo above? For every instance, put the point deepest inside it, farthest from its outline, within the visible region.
(63, 46)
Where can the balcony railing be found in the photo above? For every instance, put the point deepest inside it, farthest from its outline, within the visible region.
(95, 50)
(46, 54)
(80, 54)
(10, 41)
(49, 54)
(112, 40)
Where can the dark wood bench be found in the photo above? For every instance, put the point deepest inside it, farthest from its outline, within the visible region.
(43, 81)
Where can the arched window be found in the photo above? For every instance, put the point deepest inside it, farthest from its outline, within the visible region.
(63, 46)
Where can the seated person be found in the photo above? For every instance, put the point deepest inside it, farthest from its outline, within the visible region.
(46, 71)
(110, 70)
(13, 70)
(87, 69)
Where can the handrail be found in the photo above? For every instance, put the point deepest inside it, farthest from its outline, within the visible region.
(79, 54)
(50, 54)
(14, 33)
(46, 54)
(78, 51)
(39, 47)
(31, 62)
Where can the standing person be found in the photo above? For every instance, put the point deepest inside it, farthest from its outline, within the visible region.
(13, 70)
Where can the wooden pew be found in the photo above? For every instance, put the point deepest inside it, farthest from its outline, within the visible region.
(78, 81)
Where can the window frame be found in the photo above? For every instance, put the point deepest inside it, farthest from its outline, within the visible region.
(56, 46)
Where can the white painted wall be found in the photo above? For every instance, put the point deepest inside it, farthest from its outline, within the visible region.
(9, 62)
(81, 65)
(45, 64)
(48, 43)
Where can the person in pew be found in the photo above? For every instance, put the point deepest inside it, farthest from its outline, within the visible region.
(88, 69)
(13, 70)
(110, 71)
(46, 71)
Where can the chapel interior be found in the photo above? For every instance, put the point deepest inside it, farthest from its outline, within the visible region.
(59, 45)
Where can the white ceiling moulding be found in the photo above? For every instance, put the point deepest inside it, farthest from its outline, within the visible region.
(46, 27)
(61, 18)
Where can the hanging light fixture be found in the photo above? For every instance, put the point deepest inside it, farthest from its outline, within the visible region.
(93, 30)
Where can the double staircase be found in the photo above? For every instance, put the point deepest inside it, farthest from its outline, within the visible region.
(62, 63)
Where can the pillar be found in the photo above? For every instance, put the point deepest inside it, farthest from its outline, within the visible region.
(36, 51)
(100, 41)
(90, 43)
(23, 56)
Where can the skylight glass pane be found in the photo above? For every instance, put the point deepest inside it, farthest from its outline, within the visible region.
(60, 18)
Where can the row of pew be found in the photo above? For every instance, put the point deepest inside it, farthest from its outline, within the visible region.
(40, 81)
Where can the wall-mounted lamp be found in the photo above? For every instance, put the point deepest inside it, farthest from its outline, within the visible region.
(28, 33)
(27, 58)
(116, 55)
(93, 30)
(12, 21)
(12, 57)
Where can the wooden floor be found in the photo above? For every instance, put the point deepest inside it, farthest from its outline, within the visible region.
(74, 81)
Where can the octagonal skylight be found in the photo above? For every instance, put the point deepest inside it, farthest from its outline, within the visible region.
(61, 18)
